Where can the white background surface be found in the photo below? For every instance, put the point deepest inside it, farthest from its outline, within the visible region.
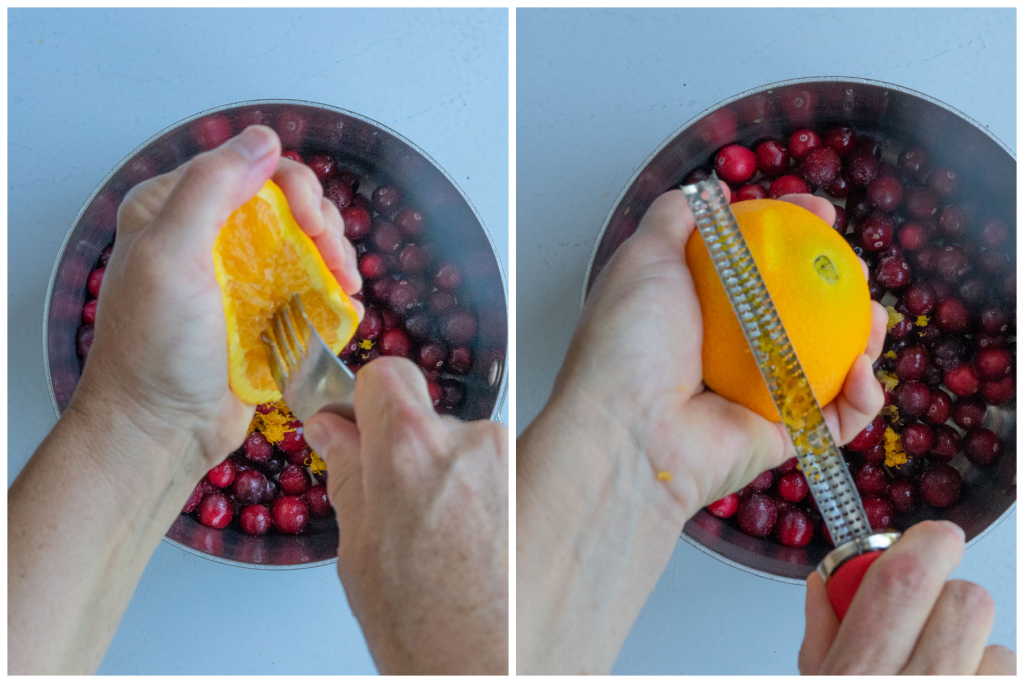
(86, 87)
(597, 91)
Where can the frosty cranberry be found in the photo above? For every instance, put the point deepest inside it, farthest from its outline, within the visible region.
(993, 363)
(762, 482)
(316, 499)
(257, 448)
(431, 356)
(211, 131)
(460, 360)
(981, 446)
(802, 142)
(193, 500)
(869, 437)
(969, 412)
(963, 379)
(222, 475)
(876, 231)
(289, 514)
(861, 169)
(787, 184)
(386, 199)
(735, 164)
(293, 439)
(986, 340)
(255, 520)
(993, 261)
(902, 495)
(410, 222)
(323, 165)
(448, 277)
(879, 512)
(95, 280)
(83, 339)
(394, 342)
(250, 486)
(757, 515)
(391, 319)
(951, 263)
(921, 203)
(772, 158)
(372, 266)
(913, 399)
(917, 439)
(912, 236)
(793, 486)
(378, 290)
(297, 458)
(794, 528)
(995, 233)
(870, 480)
(748, 192)
(940, 485)
(840, 221)
(339, 193)
(821, 166)
(893, 273)
(371, 325)
(952, 316)
(997, 392)
(215, 511)
(944, 181)
(911, 363)
(419, 325)
(972, 291)
(294, 156)
(786, 467)
(404, 294)
(839, 187)
(914, 162)
(294, 480)
(954, 221)
(412, 259)
(940, 409)
(840, 138)
(459, 326)
(885, 193)
(994, 319)
(357, 222)
(920, 298)
(725, 507)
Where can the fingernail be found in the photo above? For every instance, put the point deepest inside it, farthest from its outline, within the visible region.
(315, 434)
(955, 527)
(254, 143)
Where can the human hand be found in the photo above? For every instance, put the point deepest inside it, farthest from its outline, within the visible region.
(639, 339)
(906, 618)
(160, 351)
(422, 505)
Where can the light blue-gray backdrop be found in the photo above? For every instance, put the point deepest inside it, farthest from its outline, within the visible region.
(596, 92)
(84, 88)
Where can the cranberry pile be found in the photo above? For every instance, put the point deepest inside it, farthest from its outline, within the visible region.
(416, 307)
(944, 265)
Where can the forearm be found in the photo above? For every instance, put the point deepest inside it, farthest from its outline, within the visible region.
(84, 517)
(593, 537)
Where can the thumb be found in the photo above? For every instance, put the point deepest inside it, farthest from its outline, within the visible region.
(822, 626)
(337, 441)
(216, 183)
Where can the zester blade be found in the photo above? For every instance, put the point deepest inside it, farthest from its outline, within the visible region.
(820, 460)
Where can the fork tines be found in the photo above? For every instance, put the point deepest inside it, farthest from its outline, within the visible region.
(286, 336)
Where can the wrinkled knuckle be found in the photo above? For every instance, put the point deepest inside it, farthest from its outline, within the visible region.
(903, 577)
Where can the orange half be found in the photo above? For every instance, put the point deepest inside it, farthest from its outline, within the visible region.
(262, 257)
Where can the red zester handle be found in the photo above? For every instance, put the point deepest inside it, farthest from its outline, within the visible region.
(843, 584)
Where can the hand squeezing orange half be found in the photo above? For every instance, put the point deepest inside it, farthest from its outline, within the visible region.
(262, 258)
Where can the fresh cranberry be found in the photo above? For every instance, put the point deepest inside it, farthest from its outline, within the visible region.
(460, 360)
(319, 504)
(861, 169)
(772, 158)
(404, 294)
(448, 277)
(946, 443)
(893, 273)
(987, 340)
(940, 409)
(914, 162)
(95, 280)
(786, 467)
(419, 325)
(944, 181)
(250, 486)
(879, 512)
(378, 291)
(275, 465)
(993, 363)
(996, 392)
(391, 319)
(83, 339)
(876, 231)
(840, 222)
(921, 202)
(913, 399)
(215, 511)
(994, 319)
(911, 363)
(802, 142)
(294, 480)
(762, 482)
(255, 520)
(885, 193)
(436, 393)
(371, 325)
(973, 291)
(193, 500)
(913, 236)
(929, 335)
(969, 412)
(787, 184)
(917, 439)
(757, 514)
(211, 131)
(954, 221)
(357, 222)
(748, 192)
(372, 266)
(840, 138)
(386, 238)
(820, 166)
(725, 507)
(323, 166)
(794, 528)
(222, 475)
(696, 175)
(735, 164)
(412, 259)
(952, 316)
(459, 326)
(105, 256)
(951, 263)
(870, 480)
(291, 128)
(995, 233)
(793, 486)
(869, 437)
(340, 194)
(293, 440)
(981, 446)
(257, 448)
(839, 187)
(297, 458)
(963, 379)
(920, 298)
(394, 342)
(431, 356)
(386, 199)
(940, 485)
(294, 156)
(874, 455)
(993, 261)
(902, 495)
(910, 469)
(289, 514)
(410, 222)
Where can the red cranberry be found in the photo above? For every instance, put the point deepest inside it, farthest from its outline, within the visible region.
(879, 513)
(940, 409)
(215, 511)
(920, 298)
(786, 467)
(839, 187)
(893, 273)
(861, 169)
(934, 376)
(404, 294)
(757, 515)
(291, 128)
(840, 222)
(725, 507)
(772, 158)
(954, 221)
(963, 380)
(294, 480)
(914, 162)
(255, 520)
(940, 485)
(906, 470)
(372, 266)
(250, 486)
(762, 482)
(460, 361)
(869, 437)
(870, 480)
(840, 138)
(876, 231)
(913, 399)
(410, 222)
(913, 236)
(793, 486)
(821, 166)
(105, 256)
(371, 325)
(995, 233)
(412, 259)
(911, 363)
(299, 457)
(394, 342)
(982, 446)
(917, 439)
(969, 412)
(391, 319)
(319, 504)
(448, 277)
(95, 280)
(993, 363)
(993, 261)
(257, 448)
(929, 335)
(996, 392)
(794, 528)
(944, 181)
(452, 394)
(222, 475)
(973, 291)
(357, 222)
(419, 326)
(431, 356)
(885, 193)
(952, 316)
(951, 263)
(696, 175)
(386, 238)
(802, 142)
(436, 393)
(459, 326)
(211, 131)
(323, 166)
(748, 192)
(987, 340)
(294, 156)
(921, 202)
(787, 184)
(193, 500)
(947, 444)
(273, 466)
(875, 455)
(289, 514)
(386, 199)
(735, 164)
(378, 291)
(84, 339)
(340, 193)
(89, 312)
(902, 495)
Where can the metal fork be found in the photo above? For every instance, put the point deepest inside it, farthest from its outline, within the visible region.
(306, 371)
